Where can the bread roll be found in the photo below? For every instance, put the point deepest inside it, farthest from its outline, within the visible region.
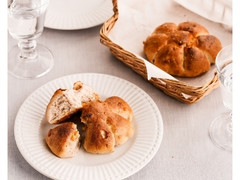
(186, 50)
(108, 124)
(63, 140)
(66, 102)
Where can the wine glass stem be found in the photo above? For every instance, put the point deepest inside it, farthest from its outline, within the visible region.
(229, 126)
(27, 49)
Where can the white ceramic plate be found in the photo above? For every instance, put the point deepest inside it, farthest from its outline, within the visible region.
(31, 128)
(77, 14)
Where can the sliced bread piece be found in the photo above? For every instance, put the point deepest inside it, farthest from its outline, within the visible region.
(66, 102)
(63, 140)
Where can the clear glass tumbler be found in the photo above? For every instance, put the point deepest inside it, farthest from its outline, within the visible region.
(220, 130)
(26, 24)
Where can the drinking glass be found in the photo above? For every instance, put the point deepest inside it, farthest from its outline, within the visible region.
(220, 130)
(26, 23)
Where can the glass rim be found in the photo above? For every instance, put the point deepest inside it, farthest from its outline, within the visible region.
(219, 64)
(41, 4)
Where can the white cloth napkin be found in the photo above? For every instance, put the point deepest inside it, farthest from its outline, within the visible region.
(215, 10)
(137, 20)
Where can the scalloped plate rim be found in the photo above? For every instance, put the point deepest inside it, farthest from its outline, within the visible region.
(90, 19)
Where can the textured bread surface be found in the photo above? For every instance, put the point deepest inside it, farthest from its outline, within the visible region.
(108, 124)
(63, 140)
(66, 102)
(184, 50)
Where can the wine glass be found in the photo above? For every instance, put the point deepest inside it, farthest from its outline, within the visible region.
(26, 23)
(220, 130)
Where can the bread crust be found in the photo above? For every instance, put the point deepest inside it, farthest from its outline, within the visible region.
(63, 140)
(184, 50)
(108, 124)
(118, 106)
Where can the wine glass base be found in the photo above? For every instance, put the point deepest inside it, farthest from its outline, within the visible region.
(30, 68)
(220, 131)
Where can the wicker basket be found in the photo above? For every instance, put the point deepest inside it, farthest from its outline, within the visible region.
(176, 89)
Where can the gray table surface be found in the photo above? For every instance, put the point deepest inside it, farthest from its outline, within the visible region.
(186, 151)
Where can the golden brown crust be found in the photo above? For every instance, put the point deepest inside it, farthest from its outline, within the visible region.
(153, 44)
(193, 60)
(194, 28)
(99, 139)
(63, 140)
(210, 45)
(120, 107)
(121, 128)
(106, 125)
(165, 28)
(169, 59)
(187, 50)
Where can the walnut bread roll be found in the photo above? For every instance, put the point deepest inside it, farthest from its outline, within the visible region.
(184, 50)
(66, 102)
(63, 140)
(108, 124)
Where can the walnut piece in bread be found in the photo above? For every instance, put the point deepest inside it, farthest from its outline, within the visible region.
(66, 102)
(184, 50)
(63, 140)
(108, 124)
